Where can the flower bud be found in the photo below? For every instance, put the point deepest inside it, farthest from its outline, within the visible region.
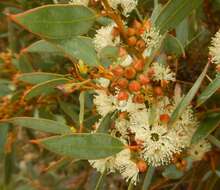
(131, 32)
(130, 72)
(134, 86)
(144, 79)
(139, 99)
(147, 25)
(122, 83)
(140, 44)
(138, 64)
(122, 95)
(164, 118)
(158, 91)
(136, 24)
(118, 71)
(132, 41)
(142, 166)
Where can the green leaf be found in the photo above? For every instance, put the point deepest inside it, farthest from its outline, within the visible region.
(214, 140)
(84, 146)
(57, 21)
(108, 55)
(209, 91)
(206, 127)
(24, 63)
(4, 128)
(45, 88)
(148, 178)
(172, 172)
(40, 124)
(173, 46)
(174, 12)
(78, 47)
(38, 77)
(70, 110)
(188, 98)
(41, 46)
(182, 32)
(106, 123)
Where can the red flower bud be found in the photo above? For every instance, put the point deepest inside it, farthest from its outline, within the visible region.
(130, 72)
(144, 79)
(122, 83)
(131, 32)
(132, 41)
(138, 98)
(118, 71)
(122, 95)
(138, 64)
(122, 52)
(164, 118)
(136, 24)
(150, 72)
(158, 91)
(134, 86)
(142, 166)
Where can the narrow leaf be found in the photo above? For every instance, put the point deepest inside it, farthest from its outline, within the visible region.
(56, 21)
(173, 46)
(174, 12)
(4, 128)
(148, 178)
(188, 98)
(84, 146)
(105, 123)
(44, 88)
(209, 91)
(38, 77)
(40, 124)
(206, 127)
(214, 140)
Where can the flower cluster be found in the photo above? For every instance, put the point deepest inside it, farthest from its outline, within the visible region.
(139, 94)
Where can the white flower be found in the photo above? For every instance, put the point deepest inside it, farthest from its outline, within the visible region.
(104, 103)
(126, 166)
(197, 151)
(105, 38)
(159, 144)
(214, 49)
(105, 164)
(152, 38)
(125, 61)
(121, 126)
(126, 5)
(162, 72)
(79, 2)
(127, 105)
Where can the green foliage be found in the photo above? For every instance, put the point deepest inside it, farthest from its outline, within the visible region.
(174, 12)
(57, 21)
(84, 146)
(206, 127)
(209, 91)
(40, 124)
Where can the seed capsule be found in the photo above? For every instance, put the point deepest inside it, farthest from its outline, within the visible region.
(138, 64)
(144, 79)
(134, 86)
(131, 32)
(123, 83)
(158, 91)
(142, 166)
(132, 41)
(130, 72)
(118, 71)
(122, 95)
(164, 118)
